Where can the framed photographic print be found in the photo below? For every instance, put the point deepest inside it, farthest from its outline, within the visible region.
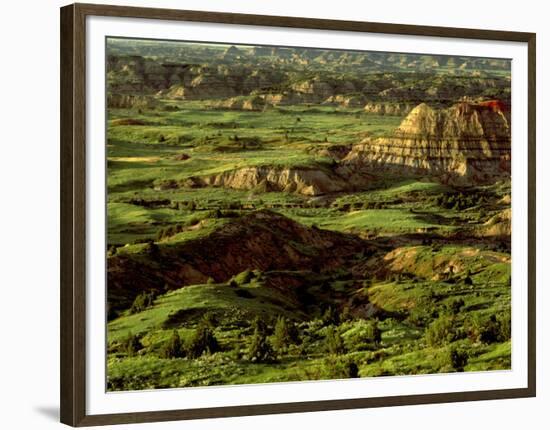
(267, 214)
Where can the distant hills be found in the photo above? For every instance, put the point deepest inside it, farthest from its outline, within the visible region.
(298, 75)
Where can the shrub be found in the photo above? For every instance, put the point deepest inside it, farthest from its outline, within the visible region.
(202, 341)
(209, 319)
(440, 332)
(244, 277)
(259, 349)
(284, 335)
(339, 368)
(489, 329)
(363, 335)
(505, 326)
(420, 316)
(458, 358)
(142, 301)
(173, 347)
(131, 344)
(374, 334)
(455, 306)
(331, 316)
(333, 342)
(346, 314)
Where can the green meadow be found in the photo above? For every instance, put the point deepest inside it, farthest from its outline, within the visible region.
(240, 251)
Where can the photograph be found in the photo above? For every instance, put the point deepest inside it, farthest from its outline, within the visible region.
(280, 214)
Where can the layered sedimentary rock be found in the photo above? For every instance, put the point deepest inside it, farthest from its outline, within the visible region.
(498, 225)
(465, 143)
(204, 86)
(253, 103)
(130, 101)
(381, 108)
(305, 181)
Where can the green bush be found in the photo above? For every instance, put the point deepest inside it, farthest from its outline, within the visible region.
(131, 345)
(337, 367)
(455, 306)
(259, 349)
(142, 301)
(244, 277)
(331, 316)
(504, 320)
(346, 314)
(489, 329)
(284, 335)
(333, 342)
(441, 331)
(363, 335)
(458, 358)
(419, 316)
(203, 341)
(173, 347)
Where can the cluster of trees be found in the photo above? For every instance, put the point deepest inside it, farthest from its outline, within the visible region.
(143, 300)
(447, 329)
(477, 327)
(460, 200)
(169, 231)
(324, 333)
(203, 341)
(267, 343)
(148, 203)
(347, 207)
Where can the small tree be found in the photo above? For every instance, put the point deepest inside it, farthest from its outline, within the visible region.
(259, 349)
(346, 314)
(209, 319)
(374, 333)
(173, 347)
(142, 301)
(284, 335)
(338, 367)
(131, 344)
(458, 358)
(202, 341)
(331, 316)
(505, 325)
(456, 305)
(440, 332)
(333, 341)
(353, 370)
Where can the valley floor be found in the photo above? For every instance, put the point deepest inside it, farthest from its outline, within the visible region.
(210, 284)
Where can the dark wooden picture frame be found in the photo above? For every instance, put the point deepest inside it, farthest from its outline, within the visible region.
(73, 213)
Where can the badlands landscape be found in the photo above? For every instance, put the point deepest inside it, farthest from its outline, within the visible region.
(287, 214)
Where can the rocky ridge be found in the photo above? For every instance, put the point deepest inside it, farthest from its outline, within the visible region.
(467, 142)
(308, 181)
